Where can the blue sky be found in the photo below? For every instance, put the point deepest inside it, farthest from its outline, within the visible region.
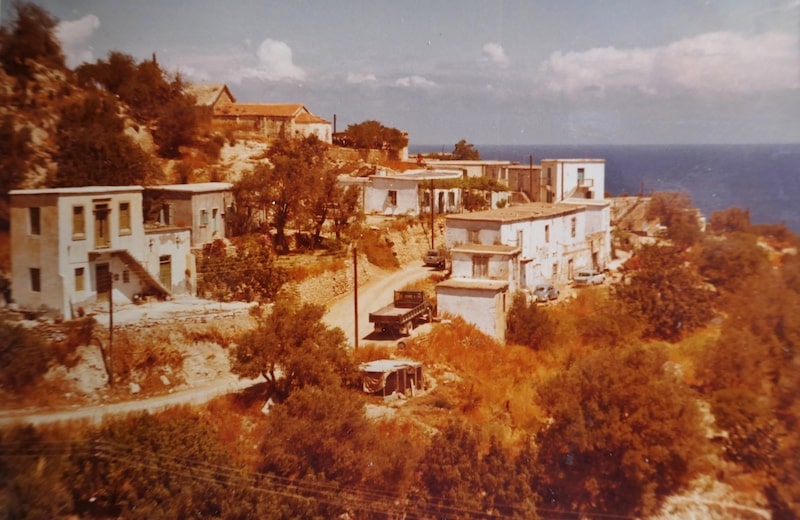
(490, 72)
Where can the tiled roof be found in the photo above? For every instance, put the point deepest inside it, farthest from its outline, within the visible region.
(308, 117)
(206, 94)
(282, 110)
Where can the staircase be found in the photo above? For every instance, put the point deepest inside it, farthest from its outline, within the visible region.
(141, 272)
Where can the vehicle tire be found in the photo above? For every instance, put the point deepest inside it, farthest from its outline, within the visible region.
(401, 345)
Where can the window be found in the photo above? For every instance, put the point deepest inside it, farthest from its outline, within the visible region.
(124, 218)
(581, 176)
(80, 279)
(203, 217)
(165, 216)
(35, 221)
(549, 175)
(474, 236)
(451, 200)
(36, 279)
(480, 266)
(555, 271)
(214, 213)
(573, 226)
(78, 222)
(126, 276)
(547, 233)
(393, 197)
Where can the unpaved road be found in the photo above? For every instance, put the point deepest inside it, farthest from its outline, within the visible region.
(371, 296)
(375, 293)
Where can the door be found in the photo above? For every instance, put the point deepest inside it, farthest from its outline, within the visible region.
(102, 230)
(102, 276)
(165, 271)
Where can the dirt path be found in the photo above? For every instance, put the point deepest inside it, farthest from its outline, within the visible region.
(371, 296)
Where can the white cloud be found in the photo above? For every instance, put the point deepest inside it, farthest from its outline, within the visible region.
(414, 82)
(711, 63)
(274, 63)
(355, 78)
(74, 37)
(496, 54)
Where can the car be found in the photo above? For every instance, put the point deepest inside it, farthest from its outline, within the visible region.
(589, 277)
(436, 258)
(545, 292)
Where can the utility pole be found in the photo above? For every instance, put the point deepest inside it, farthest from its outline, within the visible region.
(110, 329)
(432, 228)
(355, 292)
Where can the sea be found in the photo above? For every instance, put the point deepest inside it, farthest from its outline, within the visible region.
(761, 178)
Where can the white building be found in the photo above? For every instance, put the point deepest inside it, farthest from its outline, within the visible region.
(498, 252)
(201, 206)
(408, 193)
(70, 246)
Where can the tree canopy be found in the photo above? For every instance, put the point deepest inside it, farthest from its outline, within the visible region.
(27, 39)
(93, 149)
(465, 151)
(624, 432)
(373, 134)
(291, 347)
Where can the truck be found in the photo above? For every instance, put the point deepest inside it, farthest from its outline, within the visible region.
(400, 316)
(437, 258)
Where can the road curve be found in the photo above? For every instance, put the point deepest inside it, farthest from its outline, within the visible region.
(376, 293)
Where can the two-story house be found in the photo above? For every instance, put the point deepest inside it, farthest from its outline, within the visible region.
(71, 246)
(201, 206)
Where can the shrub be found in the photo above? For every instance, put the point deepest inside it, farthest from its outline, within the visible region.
(24, 358)
(528, 324)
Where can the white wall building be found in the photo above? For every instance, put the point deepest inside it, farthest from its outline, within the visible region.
(408, 193)
(70, 245)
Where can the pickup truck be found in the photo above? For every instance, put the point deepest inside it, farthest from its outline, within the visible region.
(399, 316)
(436, 258)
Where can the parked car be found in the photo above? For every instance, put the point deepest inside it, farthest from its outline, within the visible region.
(545, 292)
(589, 277)
(436, 258)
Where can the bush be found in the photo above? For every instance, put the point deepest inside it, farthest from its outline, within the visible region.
(24, 358)
(527, 324)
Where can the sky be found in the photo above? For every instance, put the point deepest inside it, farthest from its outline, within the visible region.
(491, 72)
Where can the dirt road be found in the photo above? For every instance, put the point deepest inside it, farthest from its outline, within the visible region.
(371, 296)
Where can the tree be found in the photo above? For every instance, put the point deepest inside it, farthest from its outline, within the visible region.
(730, 220)
(664, 293)
(464, 151)
(14, 152)
(24, 358)
(291, 348)
(527, 324)
(159, 467)
(677, 212)
(726, 261)
(296, 165)
(93, 149)
(373, 135)
(177, 125)
(623, 433)
(27, 39)
(345, 203)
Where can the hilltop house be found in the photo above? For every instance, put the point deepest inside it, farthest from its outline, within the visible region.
(267, 119)
(408, 193)
(71, 246)
(498, 252)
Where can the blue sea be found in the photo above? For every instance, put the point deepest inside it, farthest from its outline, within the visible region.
(764, 178)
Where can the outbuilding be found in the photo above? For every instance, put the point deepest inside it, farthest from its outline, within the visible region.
(384, 377)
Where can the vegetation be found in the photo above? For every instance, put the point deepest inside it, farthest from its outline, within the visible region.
(373, 134)
(464, 151)
(676, 211)
(292, 348)
(29, 39)
(23, 357)
(244, 272)
(93, 149)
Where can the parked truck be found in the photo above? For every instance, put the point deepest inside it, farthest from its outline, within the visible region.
(400, 316)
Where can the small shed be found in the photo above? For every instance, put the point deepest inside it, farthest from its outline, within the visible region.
(386, 376)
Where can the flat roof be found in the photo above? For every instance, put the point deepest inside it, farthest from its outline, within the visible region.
(388, 365)
(421, 175)
(199, 187)
(587, 160)
(467, 162)
(81, 190)
(470, 283)
(482, 248)
(522, 212)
